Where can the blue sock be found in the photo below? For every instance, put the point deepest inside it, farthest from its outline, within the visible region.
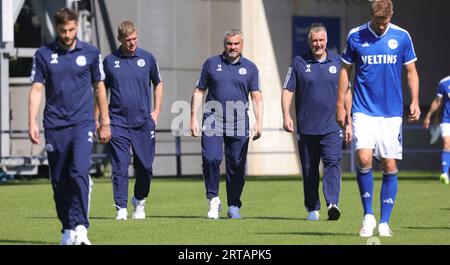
(445, 157)
(365, 184)
(387, 196)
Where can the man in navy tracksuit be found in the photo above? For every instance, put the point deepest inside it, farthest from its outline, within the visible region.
(314, 79)
(130, 72)
(229, 78)
(69, 68)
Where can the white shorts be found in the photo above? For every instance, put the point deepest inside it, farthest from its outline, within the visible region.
(445, 129)
(382, 135)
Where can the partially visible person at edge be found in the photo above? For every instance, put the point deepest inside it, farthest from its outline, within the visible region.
(442, 99)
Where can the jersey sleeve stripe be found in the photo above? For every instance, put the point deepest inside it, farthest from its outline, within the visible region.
(346, 62)
(33, 69)
(410, 61)
(445, 79)
(288, 77)
(100, 67)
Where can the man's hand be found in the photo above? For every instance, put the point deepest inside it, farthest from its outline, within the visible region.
(97, 126)
(256, 131)
(288, 124)
(195, 130)
(155, 116)
(104, 133)
(33, 133)
(414, 112)
(426, 123)
(348, 133)
(341, 117)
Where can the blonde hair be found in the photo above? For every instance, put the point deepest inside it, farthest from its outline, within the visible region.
(125, 29)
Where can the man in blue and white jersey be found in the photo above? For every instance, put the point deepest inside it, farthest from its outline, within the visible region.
(229, 79)
(442, 98)
(69, 68)
(130, 73)
(379, 50)
(313, 77)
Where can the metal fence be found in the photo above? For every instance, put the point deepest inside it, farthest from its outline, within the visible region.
(418, 153)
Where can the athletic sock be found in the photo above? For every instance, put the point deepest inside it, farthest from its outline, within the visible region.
(365, 184)
(387, 196)
(445, 158)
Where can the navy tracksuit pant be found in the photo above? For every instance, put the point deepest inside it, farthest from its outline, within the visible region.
(69, 152)
(235, 159)
(142, 142)
(312, 148)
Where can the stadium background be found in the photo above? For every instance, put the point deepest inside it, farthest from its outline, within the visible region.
(182, 34)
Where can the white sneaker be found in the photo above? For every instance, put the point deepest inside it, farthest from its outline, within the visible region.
(138, 212)
(214, 208)
(368, 225)
(313, 216)
(68, 237)
(81, 236)
(444, 178)
(384, 230)
(121, 213)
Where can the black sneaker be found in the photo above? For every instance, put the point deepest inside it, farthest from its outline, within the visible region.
(333, 212)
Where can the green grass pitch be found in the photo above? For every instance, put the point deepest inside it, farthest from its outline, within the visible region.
(273, 214)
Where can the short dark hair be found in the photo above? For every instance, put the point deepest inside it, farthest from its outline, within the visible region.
(64, 15)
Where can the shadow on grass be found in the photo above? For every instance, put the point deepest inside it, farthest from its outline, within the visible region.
(274, 218)
(178, 216)
(308, 234)
(27, 242)
(43, 217)
(226, 218)
(427, 228)
(147, 216)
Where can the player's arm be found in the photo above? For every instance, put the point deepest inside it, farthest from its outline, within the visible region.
(286, 99)
(413, 82)
(104, 129)
(157, 97)
(34, 101)
(437, 101)
(258, 110)
(96, 114)
(342, 116)
(196, 106)
(348, 108)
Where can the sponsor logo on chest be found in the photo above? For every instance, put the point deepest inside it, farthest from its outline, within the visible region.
(392, 44)
(379, 59)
